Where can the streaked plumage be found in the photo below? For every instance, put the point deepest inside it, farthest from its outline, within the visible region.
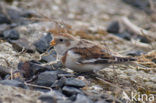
(83, 55)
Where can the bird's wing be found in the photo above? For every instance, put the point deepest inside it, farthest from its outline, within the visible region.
(97, 55)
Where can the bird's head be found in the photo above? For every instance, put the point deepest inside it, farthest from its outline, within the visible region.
(62, 42)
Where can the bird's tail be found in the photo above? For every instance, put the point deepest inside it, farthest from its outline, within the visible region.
(124, 59)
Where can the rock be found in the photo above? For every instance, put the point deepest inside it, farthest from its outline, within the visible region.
(74, 82)
(154, 60)
(11, 34)
(140, 4)
(82, 99)
(69, 91)
(47, 99)
(114, 27)
(144, 39)
(110, 98)
(43, 43)
(124, 35)
(47, 78)
(64, 101)
(29, 14)
(135, 53)
(13, 83)
(59, 83)
(4, 19)
(30, 68)
(23, 43)
(58, 95)
(101, 101)
(4, 71)
(58, 65)
(50, 57)
(2, 28)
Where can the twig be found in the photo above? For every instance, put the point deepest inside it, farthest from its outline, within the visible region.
(33, 85)
(137, 30)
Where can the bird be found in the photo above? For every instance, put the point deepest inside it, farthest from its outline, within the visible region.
(81, 55)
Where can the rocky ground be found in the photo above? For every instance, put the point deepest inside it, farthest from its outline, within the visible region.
(124, 27)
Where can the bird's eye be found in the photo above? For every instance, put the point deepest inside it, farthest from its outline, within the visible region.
(61, 40)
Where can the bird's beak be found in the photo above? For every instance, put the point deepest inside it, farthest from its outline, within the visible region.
(53, 43)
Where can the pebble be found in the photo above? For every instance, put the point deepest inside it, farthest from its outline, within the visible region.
(47, 78)
(47, 99)
(29, 14)
(43, 43)
(101, 101)
(2, 28)
(74, 82)
(4, 19)
(69, 91)
(14, 83)
(140, 4)
(4, 71)
(154, 60)
(50, 57)
(58, 65)
(82, 99)
(124, 35)
(59, 83)
(114, 27)
(144, 40)
(23, 43)
(64, 101)
(11, 34)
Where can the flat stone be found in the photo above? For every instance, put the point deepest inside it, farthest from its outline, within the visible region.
(13, 83)
(59, 83)
(47, 78)
(114, 27)
(74, 82)
(67, 90)
(43, 43)
(82, 99)
(47, 99)
(140, 4)
(124, 35)
(154, 60)
(4, 71)
(3, 27)
(50, 57)
(4, 19)
(11, 34)
(23, 43)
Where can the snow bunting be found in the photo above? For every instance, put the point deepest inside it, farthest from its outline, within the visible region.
(82, 55)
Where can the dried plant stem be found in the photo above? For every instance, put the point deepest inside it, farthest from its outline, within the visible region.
(38, 86)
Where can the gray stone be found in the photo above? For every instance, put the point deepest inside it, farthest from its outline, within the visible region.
(23, 43)
(11, 34)
(13, 83)
(50, 57)
(69, 91)
(82, 99)
(4, 19)
(47, 99)
(47, 78)
(43, 43)
(114, 27)
(74, 82)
